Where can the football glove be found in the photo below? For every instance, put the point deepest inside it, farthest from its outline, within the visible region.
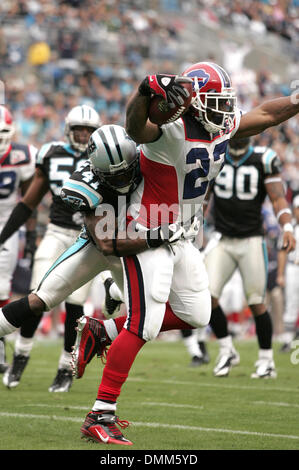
(168, 234)
(168, 86)
(193, 229)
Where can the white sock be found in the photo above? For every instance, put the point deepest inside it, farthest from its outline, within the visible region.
(201, 334)
(192, 345)
(102, 405)
(111, 329)
(65, 360)
(5, 327)
(266, 354)
(23, 346)
(226, 344)
(115, 292)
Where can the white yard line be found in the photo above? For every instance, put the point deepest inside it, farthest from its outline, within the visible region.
(276, 403)
(219, 383)
(155, 425)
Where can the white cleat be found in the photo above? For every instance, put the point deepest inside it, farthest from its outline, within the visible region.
(265, 369)
(225, 362)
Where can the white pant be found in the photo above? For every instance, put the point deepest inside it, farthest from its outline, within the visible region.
(158, 275)
(8, 263)
(291, 296)
(247, 254)
(76, 267)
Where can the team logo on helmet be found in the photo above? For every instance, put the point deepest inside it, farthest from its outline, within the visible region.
(202, 76)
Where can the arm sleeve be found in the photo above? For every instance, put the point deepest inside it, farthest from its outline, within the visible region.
(18, 217)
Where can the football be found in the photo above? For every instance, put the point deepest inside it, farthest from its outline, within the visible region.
(160, 112)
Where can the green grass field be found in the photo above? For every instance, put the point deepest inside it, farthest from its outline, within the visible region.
(169, 404)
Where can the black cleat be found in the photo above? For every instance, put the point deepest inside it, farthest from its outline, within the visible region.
(62, 382)
(13, 374)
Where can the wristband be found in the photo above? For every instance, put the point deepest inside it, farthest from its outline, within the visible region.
(286, 210)
(288, 228)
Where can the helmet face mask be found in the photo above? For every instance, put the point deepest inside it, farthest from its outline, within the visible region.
(114, 159)
(80, 122)
(7, 129)
(214, 99)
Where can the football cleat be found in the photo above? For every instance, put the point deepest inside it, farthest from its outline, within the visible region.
(111, 306)
(101, 427)
(91, 339)
(225, 362)
(13, 374)
(3, 363)
(204, 351)
(285, 348)
(265, 368)
(62, 382)
(197, 361)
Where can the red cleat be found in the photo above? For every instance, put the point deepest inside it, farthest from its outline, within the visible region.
(91, 340)
(100, 426)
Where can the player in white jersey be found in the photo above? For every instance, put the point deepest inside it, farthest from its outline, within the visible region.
(16, 170)
(288, 278)
(178, 161)
(55, 162)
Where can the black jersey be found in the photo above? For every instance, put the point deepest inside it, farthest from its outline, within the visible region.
(84, 192)
(58, 160)
(239, 192)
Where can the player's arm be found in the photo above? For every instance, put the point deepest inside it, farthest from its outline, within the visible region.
(281, 265)
(268, 114)
(276, 193)
(139, 128)
(23, 210)
(30, 242)
(110, 241)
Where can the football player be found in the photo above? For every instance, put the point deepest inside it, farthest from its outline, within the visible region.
(178, 161)
(239, 191)
(288, 278)
(56, 161)
(16, 170)
(112, 172)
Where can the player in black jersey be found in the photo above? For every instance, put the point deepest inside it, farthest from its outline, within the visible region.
(248, 176)
(56, 161)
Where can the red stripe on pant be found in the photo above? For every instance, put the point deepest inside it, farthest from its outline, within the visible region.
(136, 308)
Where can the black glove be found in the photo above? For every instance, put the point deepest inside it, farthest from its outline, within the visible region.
(167, 86)
(164, 234)
(30, 246)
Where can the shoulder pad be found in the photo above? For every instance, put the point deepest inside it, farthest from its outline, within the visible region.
(271, 162)
(81, 190)
(46, 148)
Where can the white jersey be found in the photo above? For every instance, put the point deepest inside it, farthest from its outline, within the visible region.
(16, 165)
(177, 169)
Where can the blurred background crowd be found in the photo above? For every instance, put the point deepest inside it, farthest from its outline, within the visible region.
(55, 54)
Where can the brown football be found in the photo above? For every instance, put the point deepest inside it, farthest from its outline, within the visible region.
(160, 112)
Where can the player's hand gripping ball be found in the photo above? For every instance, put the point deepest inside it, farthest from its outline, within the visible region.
(170, 97)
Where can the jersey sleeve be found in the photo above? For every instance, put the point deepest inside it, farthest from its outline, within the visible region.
(237, 120)
(271, 162)
(27, 170)
(81, 190)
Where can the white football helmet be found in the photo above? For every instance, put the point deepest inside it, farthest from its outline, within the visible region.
(80, 116)
(7, 129)
(114, 158)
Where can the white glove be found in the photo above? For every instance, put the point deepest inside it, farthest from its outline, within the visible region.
(193, 230)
